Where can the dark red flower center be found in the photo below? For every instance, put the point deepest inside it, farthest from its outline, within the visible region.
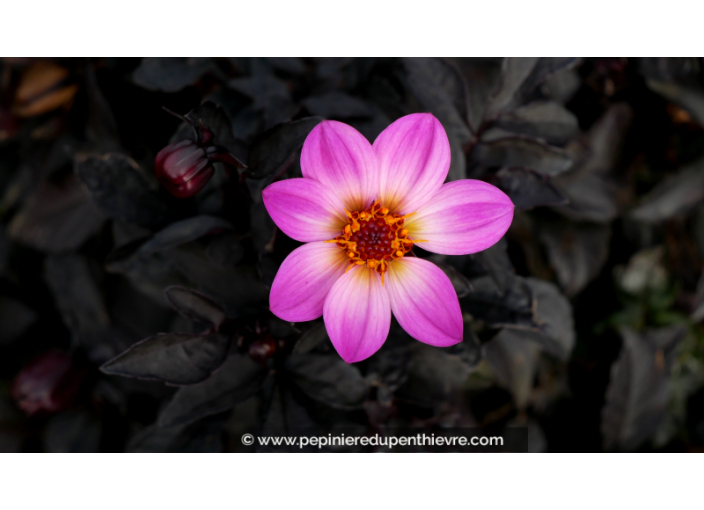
(374, 237)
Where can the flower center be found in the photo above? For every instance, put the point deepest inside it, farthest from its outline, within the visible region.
(373, 237)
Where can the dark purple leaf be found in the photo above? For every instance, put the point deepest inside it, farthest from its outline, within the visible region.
(283, 415)
(514, 72)
(270, 95)
(121, 190)
(77, 295)
(232, 287)
(311, 339)
(589, 185)
(514, 361)
(173, 358)
(57, 218)
(591, 197)
(546, 120)
(433, 375)
(553, 315)
(237, 379)
(522, 152)
(526, 188)
(184, 231)
(562, 86)
(328, 379)
(544, 68)
(224, 250)
(261, 88)
(677, 194)
(337, 105)
(276, 148)
(519, 77)
(469, 350)
(639, 390)
(498, 307)
(170, 74)
(670, 68)
(195, 306)
(482, 77)
(497, 265)
(382, 94)
(534, 308)
(388, 368)
(577, 252)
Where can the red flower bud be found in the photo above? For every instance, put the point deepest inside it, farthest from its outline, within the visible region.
(183, 168)
(262, 349)
(50, 383)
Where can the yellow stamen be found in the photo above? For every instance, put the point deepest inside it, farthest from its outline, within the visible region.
(373, 237)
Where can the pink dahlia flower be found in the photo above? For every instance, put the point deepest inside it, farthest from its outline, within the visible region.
(360, 208)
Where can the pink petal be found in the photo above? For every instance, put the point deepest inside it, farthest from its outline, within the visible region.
(414, 158)
(464, 217)
(305, 209)
(304, 280)
(338, 156)
(357, 314)
(424, 301)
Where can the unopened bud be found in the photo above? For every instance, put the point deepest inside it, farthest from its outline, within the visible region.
(49, 384)
(183, 168)
(262, 349)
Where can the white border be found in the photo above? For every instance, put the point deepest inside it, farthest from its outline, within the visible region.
(360, 28)
(359, 481)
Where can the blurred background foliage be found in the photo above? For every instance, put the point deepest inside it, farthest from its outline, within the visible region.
(132, 320)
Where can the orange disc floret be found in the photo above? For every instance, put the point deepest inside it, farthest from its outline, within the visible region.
(373, 237)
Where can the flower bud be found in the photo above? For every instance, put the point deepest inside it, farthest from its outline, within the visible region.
(183, 168)
(262, 349)
(49, 384)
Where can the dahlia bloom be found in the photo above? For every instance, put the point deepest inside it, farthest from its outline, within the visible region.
(360, 208)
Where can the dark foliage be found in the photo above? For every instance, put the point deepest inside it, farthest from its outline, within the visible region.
(133, 320)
